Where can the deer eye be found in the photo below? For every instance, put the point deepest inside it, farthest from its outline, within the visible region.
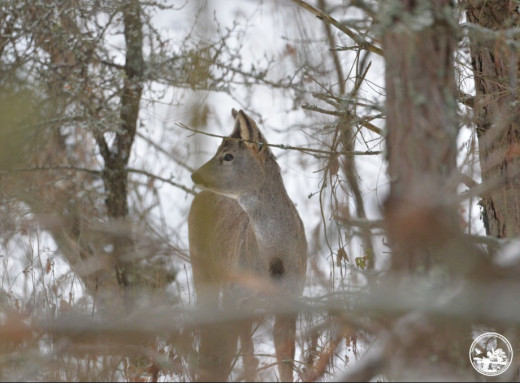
(228, 157)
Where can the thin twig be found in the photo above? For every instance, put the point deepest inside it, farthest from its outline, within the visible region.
(362, 121)
(50, 168)
(468, 181)
(160, 149)
(98, 173)
(466, 99)
(360, 222)
(167, 180)
(332, 21)
(319, 368)
(287, 147)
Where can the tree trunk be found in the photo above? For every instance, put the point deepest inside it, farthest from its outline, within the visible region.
(115, 175)
(111, 247)
(421, 128)
(422, 224)
(73, 211)
(419, 43)
(497, 113)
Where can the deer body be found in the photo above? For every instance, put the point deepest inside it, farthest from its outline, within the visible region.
(244, 222)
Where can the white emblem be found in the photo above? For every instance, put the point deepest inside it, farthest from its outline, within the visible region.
(491, 354)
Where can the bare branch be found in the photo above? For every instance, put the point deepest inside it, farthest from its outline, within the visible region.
(288, 147)
(98, 173)
(325, 17)
(364, 121)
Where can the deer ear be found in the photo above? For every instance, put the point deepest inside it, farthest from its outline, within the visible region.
(234, 113)
(246, 129)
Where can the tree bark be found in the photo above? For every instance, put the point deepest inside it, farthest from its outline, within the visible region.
(497, 113)
(421, 128)
(73, 210)
(419, 42)
(115, 175)
(74, 234)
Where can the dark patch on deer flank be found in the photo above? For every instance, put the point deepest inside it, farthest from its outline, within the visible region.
(276, 268)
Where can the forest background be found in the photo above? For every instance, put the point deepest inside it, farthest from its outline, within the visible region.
(395, 124)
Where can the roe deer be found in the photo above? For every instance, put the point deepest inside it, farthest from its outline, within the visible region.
(244, 223)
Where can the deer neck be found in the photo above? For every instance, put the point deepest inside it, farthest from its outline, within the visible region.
(271, 212)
